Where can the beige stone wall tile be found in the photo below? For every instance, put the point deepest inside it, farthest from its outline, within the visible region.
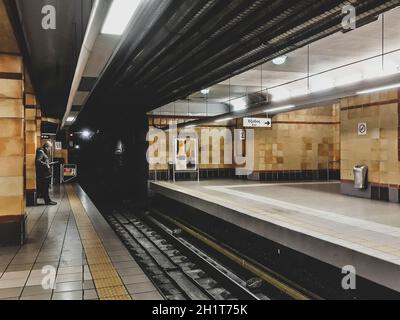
(11, 108)
(11, 206)
(30, 100)
(11, 186)
(11, 128)
(10, 63)
(11, 146)
(11, 166)
(379, 148)
(10, 89)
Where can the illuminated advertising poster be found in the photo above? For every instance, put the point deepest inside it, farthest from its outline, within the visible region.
(186, 154)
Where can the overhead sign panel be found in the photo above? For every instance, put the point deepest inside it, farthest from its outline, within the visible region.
(257, 122)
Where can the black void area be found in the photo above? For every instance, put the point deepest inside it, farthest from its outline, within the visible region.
(380, 193)
(318, 277)
(270, 176)
(30, 196)
(12, 233)
(300, 176)
(375, 193)
(384, 193)
(112, 164)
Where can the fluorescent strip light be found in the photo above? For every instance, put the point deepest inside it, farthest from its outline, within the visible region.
(119, 16)
(70, 119)
(280, 108)
(223, 120)
(190, 126)
(393, 86)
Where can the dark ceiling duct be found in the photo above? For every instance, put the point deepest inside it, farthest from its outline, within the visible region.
(250, 101)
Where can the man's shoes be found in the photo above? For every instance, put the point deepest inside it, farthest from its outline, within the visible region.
(51, 203)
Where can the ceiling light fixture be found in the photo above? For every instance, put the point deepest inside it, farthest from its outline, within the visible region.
(279, 60)
(205, 91)
(119, 16)
(280, 108)
(70, 119)
(86, 134)
(393, 86)
(238, 104)
(224, 119)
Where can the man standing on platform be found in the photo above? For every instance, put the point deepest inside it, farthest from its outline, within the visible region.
(43, 173)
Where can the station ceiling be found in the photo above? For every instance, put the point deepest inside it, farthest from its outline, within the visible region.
(183, 47)
(175, 48)
(339, 57)
(53, 53)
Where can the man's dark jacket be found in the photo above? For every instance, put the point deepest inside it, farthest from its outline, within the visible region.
(43, 170)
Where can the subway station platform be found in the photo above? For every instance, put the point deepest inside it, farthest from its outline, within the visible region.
(311, 218)
(74, 243)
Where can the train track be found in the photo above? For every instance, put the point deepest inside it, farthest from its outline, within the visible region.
(183, 271)
(179, 270)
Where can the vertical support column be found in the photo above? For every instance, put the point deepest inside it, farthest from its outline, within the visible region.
(12, 150)
(30, 148)
(38, 126)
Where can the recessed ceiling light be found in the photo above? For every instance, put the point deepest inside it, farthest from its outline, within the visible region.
(279, 60)
(119, 15)
(205, 91)
(70, 119)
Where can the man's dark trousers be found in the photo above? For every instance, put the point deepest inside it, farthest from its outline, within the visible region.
(43, 189)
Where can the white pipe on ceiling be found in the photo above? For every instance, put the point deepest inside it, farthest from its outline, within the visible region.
(96, 21)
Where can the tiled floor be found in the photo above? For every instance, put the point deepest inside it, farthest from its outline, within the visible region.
(74, 246)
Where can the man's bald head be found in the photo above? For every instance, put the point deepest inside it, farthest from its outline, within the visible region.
(47, 145)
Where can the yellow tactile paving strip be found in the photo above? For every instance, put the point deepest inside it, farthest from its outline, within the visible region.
(108, 283)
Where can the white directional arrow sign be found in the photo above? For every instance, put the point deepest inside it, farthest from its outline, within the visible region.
(257, 122)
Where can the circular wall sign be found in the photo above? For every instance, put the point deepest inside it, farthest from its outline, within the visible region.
(362, 129)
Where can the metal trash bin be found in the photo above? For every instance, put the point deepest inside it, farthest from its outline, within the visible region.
(360, 177)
